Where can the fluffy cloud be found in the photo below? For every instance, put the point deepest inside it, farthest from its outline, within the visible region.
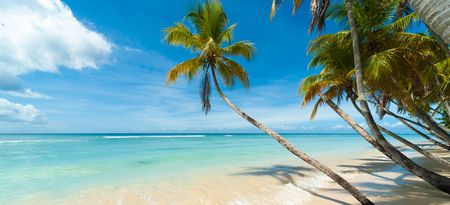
(12, 112)
(43, 35)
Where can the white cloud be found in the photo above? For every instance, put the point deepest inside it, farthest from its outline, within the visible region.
(393, 125)
(26, 93)
(340, 127)
(43, 35)
(12, 112)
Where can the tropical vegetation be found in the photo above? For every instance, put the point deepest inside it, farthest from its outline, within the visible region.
(378, 61)
(209, 36)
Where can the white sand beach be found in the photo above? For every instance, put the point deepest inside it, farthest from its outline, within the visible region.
(286, 183)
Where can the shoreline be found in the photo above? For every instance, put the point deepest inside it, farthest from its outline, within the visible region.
(290, 182)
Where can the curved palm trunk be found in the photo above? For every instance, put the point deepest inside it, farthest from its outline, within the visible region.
(440, 182)
(291, 148)
(406, 122)
(352, 123)
(435, 14)
(433, 125)
(424, 135)
(436, 180)
(406, 119)
(415, 147)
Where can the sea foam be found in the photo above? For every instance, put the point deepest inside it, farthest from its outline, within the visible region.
(34, 141)
(152, 136)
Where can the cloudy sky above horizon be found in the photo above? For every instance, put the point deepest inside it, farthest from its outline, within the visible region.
(84, 66)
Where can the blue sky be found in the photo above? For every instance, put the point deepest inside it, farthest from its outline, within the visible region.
(99, 66)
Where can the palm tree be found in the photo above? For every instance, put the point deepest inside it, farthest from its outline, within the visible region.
(208, 38)
(415, 147)
(318, 13)
(408, 123)
(335, 53)
(417, 44)
(436, 15)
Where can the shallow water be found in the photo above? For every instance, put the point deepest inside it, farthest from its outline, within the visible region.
(58, 164)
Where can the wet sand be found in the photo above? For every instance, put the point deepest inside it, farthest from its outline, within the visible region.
(289, 182)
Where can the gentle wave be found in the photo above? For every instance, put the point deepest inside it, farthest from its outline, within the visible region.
(34, 141)
(154, 136)
(228, 135)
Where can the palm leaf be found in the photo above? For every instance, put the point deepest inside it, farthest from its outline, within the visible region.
(205, 91)
(188, 68)
(238, 72)
(274, 8)
(179, 35)
(242, 48)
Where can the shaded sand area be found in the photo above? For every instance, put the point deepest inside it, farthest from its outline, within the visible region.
(290, 182)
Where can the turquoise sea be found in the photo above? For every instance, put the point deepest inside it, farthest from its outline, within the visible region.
(62, 163)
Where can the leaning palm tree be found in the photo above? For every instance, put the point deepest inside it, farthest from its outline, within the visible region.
(436, 15)
(378, 52)
(319, 10)
(208, 38)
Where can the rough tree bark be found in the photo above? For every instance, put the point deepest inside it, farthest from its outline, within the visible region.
(435, 14)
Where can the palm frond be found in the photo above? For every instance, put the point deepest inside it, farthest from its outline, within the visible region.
(314, 9)
(238, 72)
(403, 23)
(205, 91)
(242, 48)
(179, 35)
(227, 35)
(297, 4)
(188, 68)
(274, 8)
(315, 108)
(322, 14)
(380, 64)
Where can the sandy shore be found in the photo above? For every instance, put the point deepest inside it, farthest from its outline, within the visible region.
(385, 182)
(290, 182)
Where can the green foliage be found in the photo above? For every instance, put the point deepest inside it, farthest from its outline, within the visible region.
(408, 69)
(206, 31)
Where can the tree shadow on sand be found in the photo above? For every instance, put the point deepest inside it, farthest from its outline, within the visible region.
(399, 188)
(285, 174)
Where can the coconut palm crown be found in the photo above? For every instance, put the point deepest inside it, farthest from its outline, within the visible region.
(209, 36)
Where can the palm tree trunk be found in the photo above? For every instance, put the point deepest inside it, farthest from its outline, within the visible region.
(440, 182)
(435, 14)
(424, 135)
(447, 106)
(407, 121)
(415, 147)
(365, 111)
(433, 125)
(291, 148)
